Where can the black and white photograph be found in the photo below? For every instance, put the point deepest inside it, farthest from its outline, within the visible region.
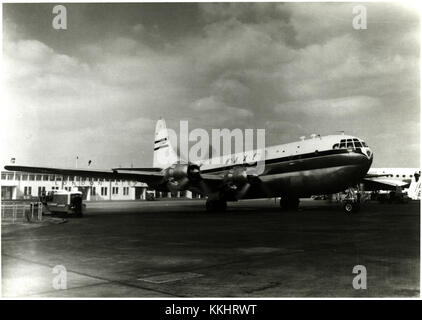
(187, 150)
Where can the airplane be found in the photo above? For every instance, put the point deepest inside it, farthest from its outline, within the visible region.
(394, 179)
(316, 166)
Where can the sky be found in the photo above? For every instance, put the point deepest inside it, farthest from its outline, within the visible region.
(97, 89)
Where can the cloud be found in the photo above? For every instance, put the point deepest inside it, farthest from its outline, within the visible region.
(339, 107)
(292, 68)
(222, 113)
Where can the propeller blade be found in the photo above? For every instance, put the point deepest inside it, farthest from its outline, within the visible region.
(182, 183)
(204, 188)
(241, 193)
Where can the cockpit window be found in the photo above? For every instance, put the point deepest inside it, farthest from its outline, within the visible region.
(350, 143)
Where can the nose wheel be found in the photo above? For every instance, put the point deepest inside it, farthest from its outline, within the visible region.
(351, 203)
(351, 207)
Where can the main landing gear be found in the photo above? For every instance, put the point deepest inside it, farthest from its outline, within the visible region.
(216, 205)
(289, 203)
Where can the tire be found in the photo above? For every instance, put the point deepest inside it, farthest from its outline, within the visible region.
(215, 205)
(351, 207)
(209, 206)
(289, 204)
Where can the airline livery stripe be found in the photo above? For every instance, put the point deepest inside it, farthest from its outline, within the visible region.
(311, 155)
(163, 146)
(157, 141)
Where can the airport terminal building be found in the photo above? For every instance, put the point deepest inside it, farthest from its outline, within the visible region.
(22, 186)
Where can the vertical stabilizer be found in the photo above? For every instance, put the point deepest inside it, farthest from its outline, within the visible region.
(164, 154)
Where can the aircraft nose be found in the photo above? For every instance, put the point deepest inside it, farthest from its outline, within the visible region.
(369, 156)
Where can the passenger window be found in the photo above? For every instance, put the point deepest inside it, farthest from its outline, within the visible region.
(358, 144)
(336, 146)
(364, 144)
(349, 143)
(342, 145)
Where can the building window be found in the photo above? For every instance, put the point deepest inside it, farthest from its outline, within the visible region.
(17, 176)
(31, 177)
(41, 191)
(27, 191)
(38, 177)
(103, 191)
(93, 191)
(51, 177)
(125, 191)
(115, 190)
(3, 176)
(24, 177)
(45, 177)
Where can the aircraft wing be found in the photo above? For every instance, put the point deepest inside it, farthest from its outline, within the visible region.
(141, 176)
(151, 176)
(380, 183)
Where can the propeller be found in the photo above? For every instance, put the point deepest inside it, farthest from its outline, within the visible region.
(242, 192)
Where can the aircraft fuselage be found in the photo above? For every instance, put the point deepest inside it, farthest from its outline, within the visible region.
(321, 165)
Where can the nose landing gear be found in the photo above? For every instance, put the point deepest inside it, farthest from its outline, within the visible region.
(351, 207)
(351, 203)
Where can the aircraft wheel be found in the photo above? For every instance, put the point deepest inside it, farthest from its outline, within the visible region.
(291, 204)
(216, 205)
(351, 207)
(222, 205)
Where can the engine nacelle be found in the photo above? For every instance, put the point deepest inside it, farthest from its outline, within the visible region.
(237, 177)
(179, 175)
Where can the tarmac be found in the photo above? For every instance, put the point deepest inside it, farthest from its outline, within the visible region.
(168, 249)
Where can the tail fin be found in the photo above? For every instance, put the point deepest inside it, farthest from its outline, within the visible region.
(414, 191)
(164, 154)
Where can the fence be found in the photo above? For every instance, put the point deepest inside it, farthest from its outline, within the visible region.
(21, 212)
